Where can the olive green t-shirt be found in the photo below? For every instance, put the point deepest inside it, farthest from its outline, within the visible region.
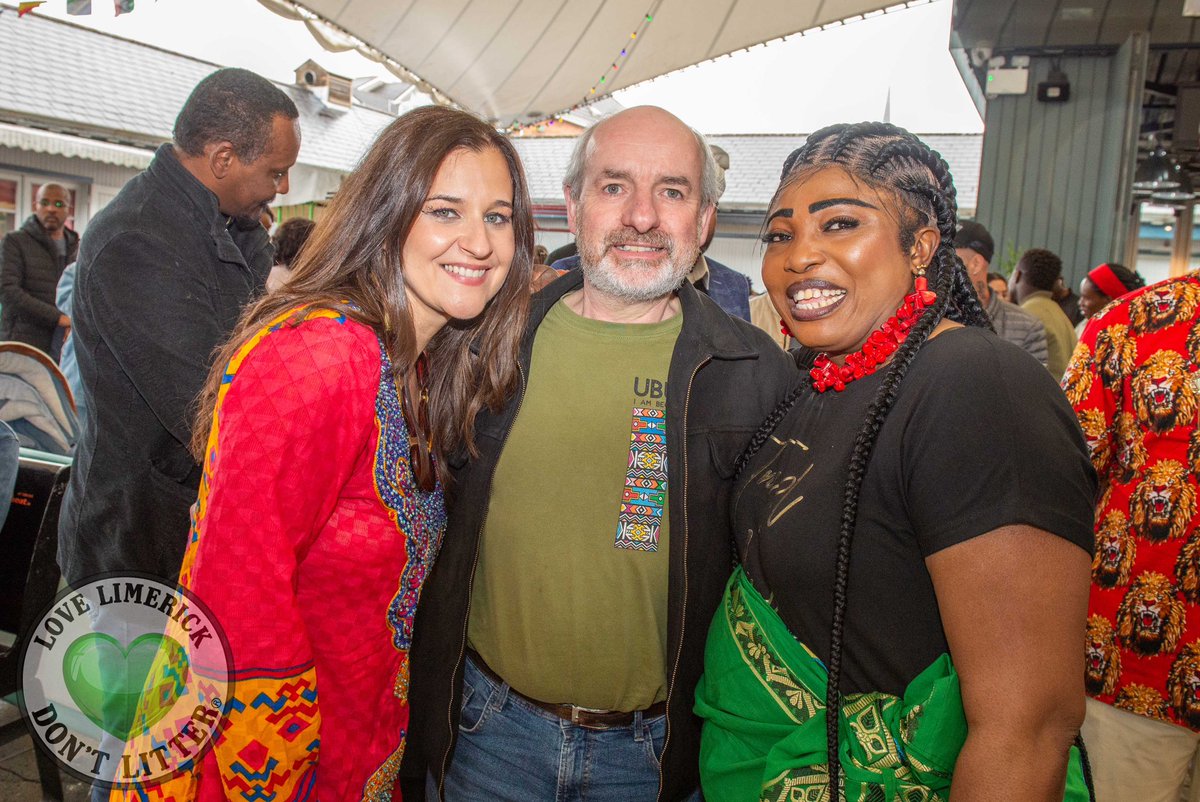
(570, 598)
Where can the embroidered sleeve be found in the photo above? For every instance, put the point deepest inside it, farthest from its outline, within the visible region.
(296, 415)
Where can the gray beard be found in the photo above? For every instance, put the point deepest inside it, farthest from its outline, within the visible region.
(609, 280)
(604, 272)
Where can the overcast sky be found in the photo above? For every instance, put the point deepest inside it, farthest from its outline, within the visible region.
(843, 74)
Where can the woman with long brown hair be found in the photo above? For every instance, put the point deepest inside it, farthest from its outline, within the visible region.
(322, 432)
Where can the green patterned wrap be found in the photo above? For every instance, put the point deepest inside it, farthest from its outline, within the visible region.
(762, 698)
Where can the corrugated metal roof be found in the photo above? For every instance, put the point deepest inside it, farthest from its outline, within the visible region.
(754, 164)
(128, 92)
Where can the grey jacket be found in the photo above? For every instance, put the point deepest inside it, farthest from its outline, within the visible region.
(1018, 327)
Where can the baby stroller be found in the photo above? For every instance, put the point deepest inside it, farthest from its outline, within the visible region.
(36, 401)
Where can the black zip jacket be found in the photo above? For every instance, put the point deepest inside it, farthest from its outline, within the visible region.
(29, 271)
(725, 377)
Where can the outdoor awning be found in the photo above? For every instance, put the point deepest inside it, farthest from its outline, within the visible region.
(38, 141)
(519, 61)
(308, 183)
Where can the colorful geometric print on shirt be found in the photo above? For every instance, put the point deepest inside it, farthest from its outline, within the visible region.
(1135, 385)
(343, 540)
(645, 494)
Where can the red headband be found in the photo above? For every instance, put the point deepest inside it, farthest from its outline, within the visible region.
(1107, 282)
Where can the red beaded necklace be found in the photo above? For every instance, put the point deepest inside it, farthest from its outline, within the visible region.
(879, 347)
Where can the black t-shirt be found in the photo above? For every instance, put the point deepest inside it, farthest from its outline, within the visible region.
(980, 437)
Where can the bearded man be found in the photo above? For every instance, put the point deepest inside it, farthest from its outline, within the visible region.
(561, 633)
(31, 261)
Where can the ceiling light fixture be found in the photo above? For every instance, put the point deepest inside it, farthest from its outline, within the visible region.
(1154, 172)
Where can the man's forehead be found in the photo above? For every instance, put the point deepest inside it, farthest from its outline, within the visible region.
(284, 145)
(647, 157)
(50, 190)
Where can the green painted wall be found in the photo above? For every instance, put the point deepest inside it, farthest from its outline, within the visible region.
(1055, 175)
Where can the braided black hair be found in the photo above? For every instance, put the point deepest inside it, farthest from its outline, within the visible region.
(894, 162)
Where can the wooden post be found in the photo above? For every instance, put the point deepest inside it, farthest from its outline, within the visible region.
(1181, 246)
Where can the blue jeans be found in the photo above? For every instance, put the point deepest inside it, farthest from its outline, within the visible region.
(509, 749)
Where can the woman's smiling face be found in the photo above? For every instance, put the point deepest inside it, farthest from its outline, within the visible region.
(460, 247)
(833, 264)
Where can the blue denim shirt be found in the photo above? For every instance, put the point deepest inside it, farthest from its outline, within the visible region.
(66, 360)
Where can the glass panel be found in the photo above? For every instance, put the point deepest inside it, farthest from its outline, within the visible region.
(8, 205)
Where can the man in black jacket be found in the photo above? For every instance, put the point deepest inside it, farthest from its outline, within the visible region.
(163, 275)
(31, 262)
(560, 636)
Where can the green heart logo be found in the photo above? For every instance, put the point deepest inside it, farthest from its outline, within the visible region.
(106, 681)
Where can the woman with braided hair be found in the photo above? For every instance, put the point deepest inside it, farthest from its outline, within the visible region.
(913, 525)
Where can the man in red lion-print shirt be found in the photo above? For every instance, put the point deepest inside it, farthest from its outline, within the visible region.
(1135, 385)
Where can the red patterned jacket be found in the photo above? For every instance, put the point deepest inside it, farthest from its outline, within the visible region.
(1134, 384)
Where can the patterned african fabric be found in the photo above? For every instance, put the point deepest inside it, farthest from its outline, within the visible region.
(310, 543)
(645, 496)
(762, 699)
(1134, 384)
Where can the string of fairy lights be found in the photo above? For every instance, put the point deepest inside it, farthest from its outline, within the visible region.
(605, 78)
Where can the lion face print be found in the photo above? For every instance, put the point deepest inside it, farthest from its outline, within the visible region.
(1103, 658)
(1142, 700)
(1115, 550)
(1187, 569)
(1193, 342)
(1163, 394)
(1183, 684)
(1163, 503)
(1095, 432)
(1116, 353)
(1163, 305)
(1150, 619)
(1131, 451)
(1077, 382)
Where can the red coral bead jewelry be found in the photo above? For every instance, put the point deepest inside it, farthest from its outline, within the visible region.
(879, 347)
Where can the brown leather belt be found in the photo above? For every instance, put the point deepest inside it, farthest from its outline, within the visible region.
(580, 716)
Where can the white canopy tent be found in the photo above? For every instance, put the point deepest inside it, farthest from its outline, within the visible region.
(520, 61)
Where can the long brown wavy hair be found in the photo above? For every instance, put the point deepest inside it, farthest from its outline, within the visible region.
(352, 263)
